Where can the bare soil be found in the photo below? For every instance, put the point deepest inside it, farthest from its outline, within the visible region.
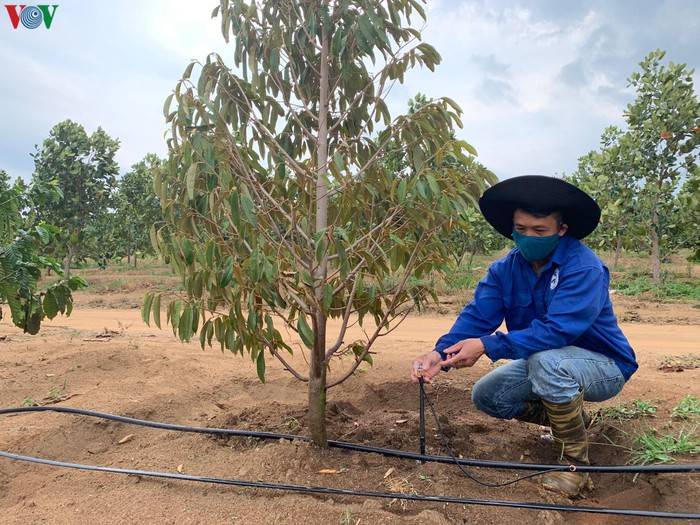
(104, 358)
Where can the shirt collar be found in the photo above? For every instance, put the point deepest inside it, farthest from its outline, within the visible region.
(560, 253)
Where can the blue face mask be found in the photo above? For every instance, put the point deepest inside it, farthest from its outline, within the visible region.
(535, 248)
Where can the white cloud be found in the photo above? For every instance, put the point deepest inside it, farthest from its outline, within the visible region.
(188, 31)
(538, 80)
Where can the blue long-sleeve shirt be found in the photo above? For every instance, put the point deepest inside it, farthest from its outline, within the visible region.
(568, 304)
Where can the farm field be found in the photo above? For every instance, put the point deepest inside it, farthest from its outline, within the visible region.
(104, 358)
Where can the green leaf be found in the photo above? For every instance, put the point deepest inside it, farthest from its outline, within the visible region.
(50, 304)
(260, 362)
(190, 180)
(155, 307)
(188, 70)
(343, 258)
(418, 158)
(252, 323)
(249, 209)
(146, 308)
(166, 105)
(402, 191)
(338, 161)
(327, 297)
(434, 187)
(227, 274)
(305, 332)
(187, 251)
(185, 324)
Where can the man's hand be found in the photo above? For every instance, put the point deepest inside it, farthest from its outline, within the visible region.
(464, 354)
(429, 364)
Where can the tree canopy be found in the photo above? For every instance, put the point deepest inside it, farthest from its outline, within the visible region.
(83, 168)
(644, 176)
(22, 246)
(284, 205)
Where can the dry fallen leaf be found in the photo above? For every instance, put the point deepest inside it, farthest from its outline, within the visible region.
(126, 439)
(328, 471)
(401, 421)
(181, 468)
(389, 472)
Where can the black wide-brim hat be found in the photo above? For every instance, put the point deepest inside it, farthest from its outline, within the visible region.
(538, 192)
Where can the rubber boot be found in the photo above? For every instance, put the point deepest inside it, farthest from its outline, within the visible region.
(535, 413)
(569, 433)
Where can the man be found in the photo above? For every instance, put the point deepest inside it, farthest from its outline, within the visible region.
(563, 339)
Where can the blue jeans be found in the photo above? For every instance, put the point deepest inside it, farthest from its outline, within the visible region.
(557, 376)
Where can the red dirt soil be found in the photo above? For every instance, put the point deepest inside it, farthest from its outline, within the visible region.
(105, 359)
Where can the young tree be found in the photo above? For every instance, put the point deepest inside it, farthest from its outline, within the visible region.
(284, 209)
(664, 121)
(687, 215)
(21, 260)
(138, 206)
(84, 169)
(610, 177)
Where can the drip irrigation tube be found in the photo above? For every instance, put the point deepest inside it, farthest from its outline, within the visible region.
(505, 465)
(346, 492)
(336, 491)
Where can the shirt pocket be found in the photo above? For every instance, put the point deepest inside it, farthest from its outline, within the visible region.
(519, 310)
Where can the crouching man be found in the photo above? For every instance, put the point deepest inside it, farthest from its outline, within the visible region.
(563, 340)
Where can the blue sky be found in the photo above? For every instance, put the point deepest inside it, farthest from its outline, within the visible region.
(538, 80)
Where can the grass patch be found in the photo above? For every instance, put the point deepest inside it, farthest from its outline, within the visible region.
(466, 277)
(671, 288)
(635, 409)
(632, 284)
(681, 362)
(649, 448)
(680, 289)
(29, 401)
(687, 408)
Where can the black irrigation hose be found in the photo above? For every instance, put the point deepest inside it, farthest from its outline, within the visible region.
(321, 490)
(505, 465)
(448, 448)
(347, 492)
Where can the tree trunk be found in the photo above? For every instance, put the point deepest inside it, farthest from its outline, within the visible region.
(68, 260)
(317, 372)
(618, 252)
(471, 259)
(135, 253)
(655, 229)
(72, 241)
(317, 383)
(655, 257)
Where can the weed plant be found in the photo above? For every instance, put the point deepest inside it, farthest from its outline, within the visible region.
(635, 409)
(687, 408)
(650, 448)
(637, 282)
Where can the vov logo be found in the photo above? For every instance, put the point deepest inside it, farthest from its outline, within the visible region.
(31, 16)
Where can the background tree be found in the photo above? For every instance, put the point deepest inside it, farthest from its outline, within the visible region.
(644, 177)
(84, 169)
(283, 208)
(21, 259)
(103, 239)
(610, 177)
(663, 121)
(139, 207)
(687, 215)
(12, 201)
(479, 237)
